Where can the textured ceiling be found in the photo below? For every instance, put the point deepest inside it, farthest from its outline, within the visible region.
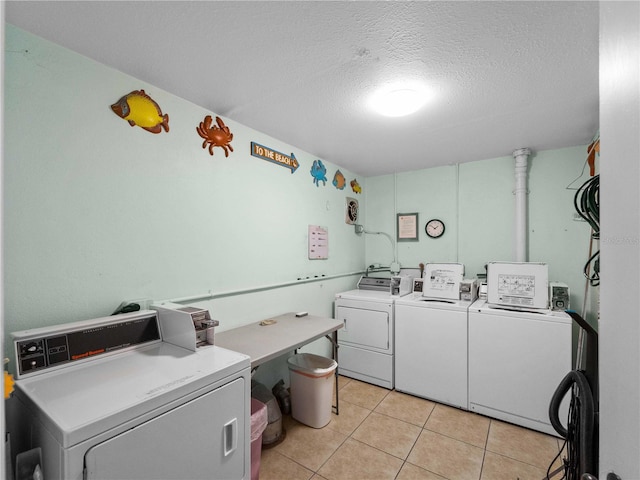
(504, 75)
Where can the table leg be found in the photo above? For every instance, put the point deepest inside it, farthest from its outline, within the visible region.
(334, 341)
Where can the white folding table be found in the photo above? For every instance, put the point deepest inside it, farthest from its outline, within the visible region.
(267, 339)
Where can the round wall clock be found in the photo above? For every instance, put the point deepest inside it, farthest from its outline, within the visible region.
(434, 228)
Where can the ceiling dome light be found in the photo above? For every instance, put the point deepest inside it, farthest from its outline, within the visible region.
(398, 101)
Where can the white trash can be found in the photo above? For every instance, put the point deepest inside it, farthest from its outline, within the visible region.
(311, 379)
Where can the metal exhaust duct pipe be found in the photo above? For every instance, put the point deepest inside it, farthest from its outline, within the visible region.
(520, 225)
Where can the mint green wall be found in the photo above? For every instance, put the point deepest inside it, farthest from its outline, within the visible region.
(432, 194)
(486, 213)
(556, 237)
(96, 211)
(476, 202)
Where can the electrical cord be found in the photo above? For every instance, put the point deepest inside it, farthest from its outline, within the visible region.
(569, 438)
(587, 203)
(579, 434)
(593, 149)
(395, 259)
(573, 453)
(594, 278)
(374, 269)
(562, 468)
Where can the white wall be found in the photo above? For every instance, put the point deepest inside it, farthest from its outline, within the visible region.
(620, 241)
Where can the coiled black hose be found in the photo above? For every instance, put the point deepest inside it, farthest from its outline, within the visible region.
(580, 426)
(587, 203)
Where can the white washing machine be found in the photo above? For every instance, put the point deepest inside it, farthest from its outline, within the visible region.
(367, 338)
(109, 399)
(516, 361)
(431, 348)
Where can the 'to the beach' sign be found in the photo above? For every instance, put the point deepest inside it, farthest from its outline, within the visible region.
(278, 158)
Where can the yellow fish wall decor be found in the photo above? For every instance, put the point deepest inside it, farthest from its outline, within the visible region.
(139, 109)
(355, 186)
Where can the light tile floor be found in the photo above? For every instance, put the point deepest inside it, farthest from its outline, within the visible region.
(382, 434)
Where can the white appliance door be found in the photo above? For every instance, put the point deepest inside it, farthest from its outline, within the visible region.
(364, 327)
(366, 365)
(199, 439)
(431, 353)
(516, 363)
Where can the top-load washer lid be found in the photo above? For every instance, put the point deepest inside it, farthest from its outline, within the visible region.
(366, 295)
(418, 300)
(483, 307)
(87, 399)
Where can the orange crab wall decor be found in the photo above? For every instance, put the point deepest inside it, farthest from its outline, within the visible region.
(216, 136)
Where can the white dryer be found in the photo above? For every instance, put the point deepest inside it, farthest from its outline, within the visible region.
(109, 399)
(516, 361)
(431, 348)
(366, 340)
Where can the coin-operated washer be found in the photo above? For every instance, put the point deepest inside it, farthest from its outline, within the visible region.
(431, 336)
(519, 349)
(113, 398)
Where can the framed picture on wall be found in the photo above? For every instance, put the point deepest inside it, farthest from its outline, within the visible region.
(407, 227)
